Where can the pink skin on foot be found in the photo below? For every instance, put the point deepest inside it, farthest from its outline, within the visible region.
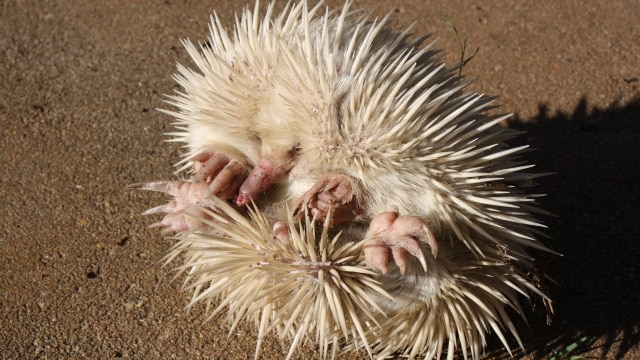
(331, 191)
(224, 175)
(391, 236)
(187, 198)
(215, 175)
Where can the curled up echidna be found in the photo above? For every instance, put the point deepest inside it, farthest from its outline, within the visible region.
(347, 189)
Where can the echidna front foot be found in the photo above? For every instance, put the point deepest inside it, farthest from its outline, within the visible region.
(183, 212)
(224, 175)
(394, 237)
(332, 191)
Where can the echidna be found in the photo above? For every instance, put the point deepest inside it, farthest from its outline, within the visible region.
(307, 285)
(365, 129)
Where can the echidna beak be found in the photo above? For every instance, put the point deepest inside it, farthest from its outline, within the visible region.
(258, 181)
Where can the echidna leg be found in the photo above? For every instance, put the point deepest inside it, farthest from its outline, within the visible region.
(185, 209)
(332, 191)
(224, 175)
(394, 237)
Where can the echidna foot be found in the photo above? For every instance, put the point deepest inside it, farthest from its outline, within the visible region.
(223, 174)
(391, 236)
(332, 191)
(185, 209)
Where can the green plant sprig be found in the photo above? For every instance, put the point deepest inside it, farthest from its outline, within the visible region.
(462, 41)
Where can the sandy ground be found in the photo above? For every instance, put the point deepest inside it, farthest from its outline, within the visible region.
(80, 273)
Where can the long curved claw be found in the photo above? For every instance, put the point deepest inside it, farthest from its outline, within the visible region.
(208, 164)
(224, 174)
(166, 208)
(405, 246)
(430, 239)
(380, 250)
(185, 192)
(173, 222)
(377, 255)
(400, 257)
(391, 236)
(215, 175)
(160, 186)
(186, 195)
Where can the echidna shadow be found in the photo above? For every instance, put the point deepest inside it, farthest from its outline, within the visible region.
(595, 195)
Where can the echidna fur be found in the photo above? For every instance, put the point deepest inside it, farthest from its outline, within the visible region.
(363, 100)
(313, 287)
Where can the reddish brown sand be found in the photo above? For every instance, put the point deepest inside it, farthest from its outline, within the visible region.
(80, 273)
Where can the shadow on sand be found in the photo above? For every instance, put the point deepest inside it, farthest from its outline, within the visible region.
(595, 195)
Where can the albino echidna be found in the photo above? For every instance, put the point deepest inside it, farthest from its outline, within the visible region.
(344, 119)
(308, 285)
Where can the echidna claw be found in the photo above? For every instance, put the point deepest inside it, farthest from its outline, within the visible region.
(224, 175)
(155, 210)
(186, 195)
(160, 186)
(396, 237)
(430, 239)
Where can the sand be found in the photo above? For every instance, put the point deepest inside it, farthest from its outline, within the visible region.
(80, 273)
